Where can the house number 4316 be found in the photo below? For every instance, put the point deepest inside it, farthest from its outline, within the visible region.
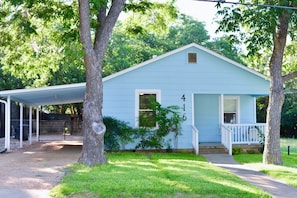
(183, 98)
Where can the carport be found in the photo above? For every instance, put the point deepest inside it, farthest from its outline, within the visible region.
(35, 98)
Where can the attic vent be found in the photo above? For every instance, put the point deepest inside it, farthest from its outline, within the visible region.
(192, 58)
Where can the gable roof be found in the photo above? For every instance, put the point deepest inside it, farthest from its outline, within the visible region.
(180, 50)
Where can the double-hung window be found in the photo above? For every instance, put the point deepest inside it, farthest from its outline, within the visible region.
(231, 109)
(145, 114)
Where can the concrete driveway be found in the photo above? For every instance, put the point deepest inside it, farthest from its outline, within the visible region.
(33, 170)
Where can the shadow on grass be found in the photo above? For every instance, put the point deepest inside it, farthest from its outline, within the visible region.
(156, 175)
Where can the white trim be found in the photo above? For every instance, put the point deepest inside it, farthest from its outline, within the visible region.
(193, 110)
(255, 110)
(179, 50)
(144, 91)
(221, 105)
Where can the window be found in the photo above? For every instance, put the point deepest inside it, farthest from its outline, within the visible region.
(192, 58)
(145, 115)
(231, 110)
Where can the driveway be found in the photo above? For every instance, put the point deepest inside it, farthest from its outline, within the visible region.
(36, 168)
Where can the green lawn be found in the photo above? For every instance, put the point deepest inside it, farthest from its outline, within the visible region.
(287, 172)
(153, 175)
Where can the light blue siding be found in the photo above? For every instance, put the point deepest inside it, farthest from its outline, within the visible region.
(247, 107)
(173, 76)
(207, 117)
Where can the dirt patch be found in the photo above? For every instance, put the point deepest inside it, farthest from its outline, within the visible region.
(38, 166)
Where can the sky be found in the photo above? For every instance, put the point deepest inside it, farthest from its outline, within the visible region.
(202, 11)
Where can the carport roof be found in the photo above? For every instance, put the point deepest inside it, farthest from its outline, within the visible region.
(52, 95)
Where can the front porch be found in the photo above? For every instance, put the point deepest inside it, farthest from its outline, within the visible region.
(234, 135)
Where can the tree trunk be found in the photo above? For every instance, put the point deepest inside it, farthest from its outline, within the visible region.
(93, 126)
(272, 152)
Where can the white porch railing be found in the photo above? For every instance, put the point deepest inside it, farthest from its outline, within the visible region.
(242, 134)
(227, 138)
(195, 139)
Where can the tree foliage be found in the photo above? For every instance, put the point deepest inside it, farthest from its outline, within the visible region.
(39, 42)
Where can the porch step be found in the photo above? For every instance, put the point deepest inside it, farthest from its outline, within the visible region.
(212, 149)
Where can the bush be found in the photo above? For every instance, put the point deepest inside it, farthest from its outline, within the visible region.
(117, 133)
(236, 150)
(168, 120)
(251, 152)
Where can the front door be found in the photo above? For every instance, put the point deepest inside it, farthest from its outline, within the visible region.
(207, 117)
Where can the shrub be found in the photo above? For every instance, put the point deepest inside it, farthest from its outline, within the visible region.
(168, 120)
(251, 152)
(236, 150)
(117, 133)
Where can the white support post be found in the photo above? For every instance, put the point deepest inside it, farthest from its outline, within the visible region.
(30, 125)
(21, 124)
(230, 143)
(255, 110)
(7, 136)
(6, 122)
(221, 114)
(37, 124)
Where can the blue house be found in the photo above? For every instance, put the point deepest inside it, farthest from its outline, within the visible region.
(217, 95)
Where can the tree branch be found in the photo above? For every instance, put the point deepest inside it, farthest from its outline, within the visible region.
(105, 29)
(101, 16)
(84, 24)
(289, 76)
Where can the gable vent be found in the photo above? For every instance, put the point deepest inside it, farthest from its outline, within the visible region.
(192, 58)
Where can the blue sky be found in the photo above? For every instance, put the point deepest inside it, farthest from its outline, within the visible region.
(202, 11)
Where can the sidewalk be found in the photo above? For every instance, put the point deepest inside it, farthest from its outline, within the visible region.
(276, 188)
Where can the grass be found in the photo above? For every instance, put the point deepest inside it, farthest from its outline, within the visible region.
(287, 172)
(153, 175)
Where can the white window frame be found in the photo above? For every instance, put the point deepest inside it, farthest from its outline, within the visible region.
(237, 98)
(144, 91)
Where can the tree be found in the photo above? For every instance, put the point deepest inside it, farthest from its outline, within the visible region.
(93, 126)
(107, 13)
(39, 42)
(266, 27)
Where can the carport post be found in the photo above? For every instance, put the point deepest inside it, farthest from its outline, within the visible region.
(7, 136)
(30, 125)
(37, 124)
(21, 124)
(6, 122)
